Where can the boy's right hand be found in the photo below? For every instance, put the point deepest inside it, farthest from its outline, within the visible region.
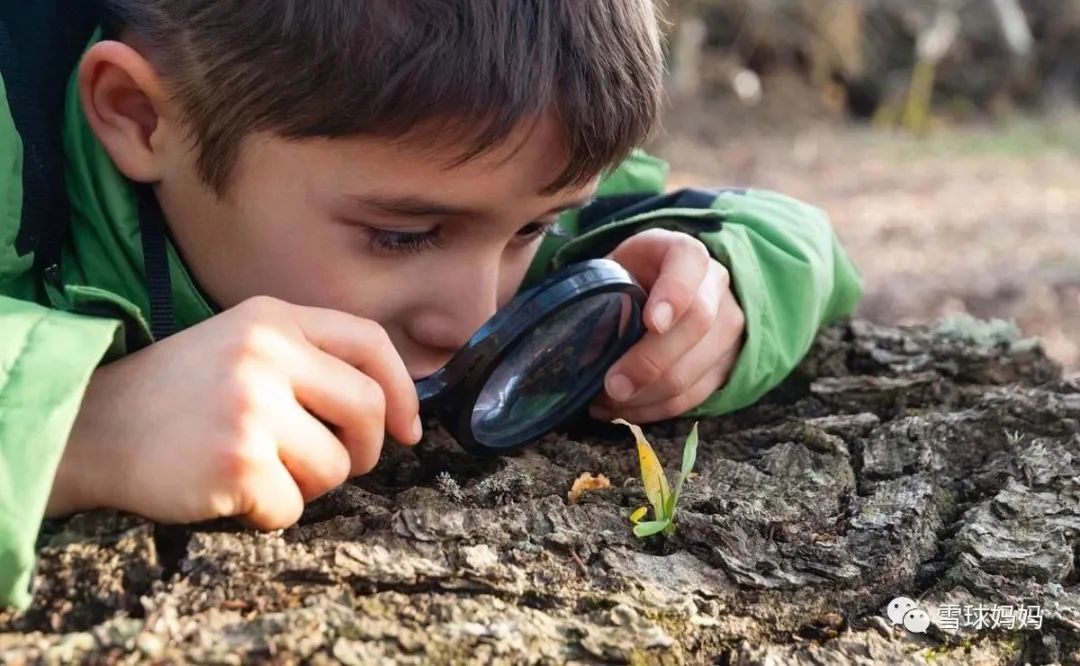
(249, 414)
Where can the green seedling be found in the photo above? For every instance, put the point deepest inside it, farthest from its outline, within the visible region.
(657, 491)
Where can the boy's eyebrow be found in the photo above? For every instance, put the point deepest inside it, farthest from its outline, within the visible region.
(418, 206)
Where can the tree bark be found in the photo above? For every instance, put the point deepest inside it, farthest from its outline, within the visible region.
(937, 463)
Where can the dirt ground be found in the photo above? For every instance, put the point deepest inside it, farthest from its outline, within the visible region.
(983, 219)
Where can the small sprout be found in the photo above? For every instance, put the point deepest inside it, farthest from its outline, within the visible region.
(654, 481)
(585, 483)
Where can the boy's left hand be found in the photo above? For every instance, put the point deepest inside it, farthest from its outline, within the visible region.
(694, 330)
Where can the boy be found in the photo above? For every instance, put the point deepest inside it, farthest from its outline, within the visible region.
(323, 201)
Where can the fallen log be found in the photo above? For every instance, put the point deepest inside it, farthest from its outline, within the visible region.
(938, 463)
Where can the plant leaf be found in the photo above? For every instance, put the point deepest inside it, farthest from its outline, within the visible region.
(689, 457)
(638, 514)
(669, 504)
(666, 500)
(652, 472)
(642, 530)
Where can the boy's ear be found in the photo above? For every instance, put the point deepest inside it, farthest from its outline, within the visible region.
(127, 109)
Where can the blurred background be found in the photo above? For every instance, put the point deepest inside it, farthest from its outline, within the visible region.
(942, 136)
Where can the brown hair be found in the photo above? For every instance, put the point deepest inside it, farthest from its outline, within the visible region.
(334, 68)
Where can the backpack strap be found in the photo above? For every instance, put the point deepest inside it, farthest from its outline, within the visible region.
(606, 223)
(154, 234)
(605, 210)
(40, 43)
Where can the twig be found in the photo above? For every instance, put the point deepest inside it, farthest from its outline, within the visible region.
(581, 565)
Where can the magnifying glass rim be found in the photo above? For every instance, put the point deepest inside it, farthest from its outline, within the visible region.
(464, 431)
(467, 374)
(554, 292)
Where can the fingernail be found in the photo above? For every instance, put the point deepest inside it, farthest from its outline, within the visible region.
(417, 429)
(620, 388)
(662, 316)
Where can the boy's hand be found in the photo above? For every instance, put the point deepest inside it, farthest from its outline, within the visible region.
(249, 414)
(694, 330)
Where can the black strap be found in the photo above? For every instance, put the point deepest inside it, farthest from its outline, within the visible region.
(156, 262)
(610, 229)
(44, 205)
(40, 43)
(605, 210)
(602, 209)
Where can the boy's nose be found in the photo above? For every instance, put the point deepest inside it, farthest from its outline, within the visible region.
(447, 324)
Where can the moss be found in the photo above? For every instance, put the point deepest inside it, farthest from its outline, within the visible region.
(1002, 647)
(991, 333)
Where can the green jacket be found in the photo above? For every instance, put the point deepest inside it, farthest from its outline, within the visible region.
(788, 272)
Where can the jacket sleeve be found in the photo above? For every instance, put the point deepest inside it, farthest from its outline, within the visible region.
(640, 174)
(790, 276)
(787, 269)
(46, 359)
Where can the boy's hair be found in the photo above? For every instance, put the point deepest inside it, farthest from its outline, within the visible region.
(474, 69)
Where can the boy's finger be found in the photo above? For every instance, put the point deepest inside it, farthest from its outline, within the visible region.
(718, 348)
(313, 455)
(651, 358)
(277, 502)
(684, 271)
(364, 345)
(341, 395)
(671, 266)
(668, 408)
(642, 254)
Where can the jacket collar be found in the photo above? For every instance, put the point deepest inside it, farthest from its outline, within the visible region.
(105, 249)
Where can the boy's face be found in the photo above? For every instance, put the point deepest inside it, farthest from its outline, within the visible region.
(377, 227)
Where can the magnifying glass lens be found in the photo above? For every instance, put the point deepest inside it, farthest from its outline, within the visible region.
(545, 377)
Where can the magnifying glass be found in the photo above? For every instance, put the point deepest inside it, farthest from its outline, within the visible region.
(539, 361)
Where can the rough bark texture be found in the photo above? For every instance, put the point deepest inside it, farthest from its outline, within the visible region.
(939, 463)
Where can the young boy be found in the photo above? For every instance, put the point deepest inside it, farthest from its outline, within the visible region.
(346, 190)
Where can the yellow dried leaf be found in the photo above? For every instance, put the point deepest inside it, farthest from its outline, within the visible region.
(652, 472)
(638, 514)
(585, 483)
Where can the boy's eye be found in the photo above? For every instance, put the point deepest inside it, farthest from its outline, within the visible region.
(403, 242)
(538, 230)
(414, 242)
